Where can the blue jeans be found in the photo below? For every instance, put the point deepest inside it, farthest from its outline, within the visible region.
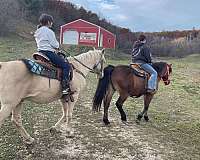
(152, 82)
(58, 61)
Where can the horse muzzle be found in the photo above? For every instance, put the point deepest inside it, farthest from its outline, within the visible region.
(167, 82)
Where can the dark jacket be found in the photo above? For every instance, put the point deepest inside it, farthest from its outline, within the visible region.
(141, 53)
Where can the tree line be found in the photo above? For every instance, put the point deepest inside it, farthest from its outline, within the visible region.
(14, 11)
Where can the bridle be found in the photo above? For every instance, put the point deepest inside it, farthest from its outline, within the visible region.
(101, 61)
(94, 69)
(166, 73)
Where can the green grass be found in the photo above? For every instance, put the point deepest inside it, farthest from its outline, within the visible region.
(174, 116)
(175, 109)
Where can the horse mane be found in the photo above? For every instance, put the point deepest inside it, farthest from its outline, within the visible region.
(158, 66)
(87, 55)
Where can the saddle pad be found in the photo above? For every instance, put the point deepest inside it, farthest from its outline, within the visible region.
(42, 70)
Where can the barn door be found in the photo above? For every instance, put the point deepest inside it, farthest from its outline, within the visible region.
(101, 40)
(70, 37)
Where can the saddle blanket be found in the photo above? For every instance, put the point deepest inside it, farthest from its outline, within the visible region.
(42, 69)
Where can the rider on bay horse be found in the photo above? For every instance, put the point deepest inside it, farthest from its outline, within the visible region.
(141, 55)
(48, 45)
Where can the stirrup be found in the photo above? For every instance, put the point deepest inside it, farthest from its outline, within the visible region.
(65, 92)
(68, 94)
(151, 90)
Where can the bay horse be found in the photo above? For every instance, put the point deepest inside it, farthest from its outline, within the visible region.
(122, 79)
(17, 84)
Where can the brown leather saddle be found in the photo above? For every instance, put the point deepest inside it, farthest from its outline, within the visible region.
(45, 61)
(139, 71)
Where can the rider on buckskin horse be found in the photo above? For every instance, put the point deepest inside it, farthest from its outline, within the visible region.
(48, 45)
(141, 55)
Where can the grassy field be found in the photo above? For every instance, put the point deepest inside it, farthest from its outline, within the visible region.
(172, 133)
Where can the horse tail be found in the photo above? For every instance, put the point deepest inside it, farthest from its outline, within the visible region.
(102, 88)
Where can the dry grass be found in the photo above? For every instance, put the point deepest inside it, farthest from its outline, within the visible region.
(172, 133)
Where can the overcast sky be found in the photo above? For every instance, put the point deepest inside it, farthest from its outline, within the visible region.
(147, 15)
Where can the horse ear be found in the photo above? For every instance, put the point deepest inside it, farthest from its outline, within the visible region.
(103, 51)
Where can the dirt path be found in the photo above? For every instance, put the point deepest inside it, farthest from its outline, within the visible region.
(168, 135)
(119, 141)
(94, 141)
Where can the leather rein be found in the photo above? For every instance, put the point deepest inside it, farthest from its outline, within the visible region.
(92, 70)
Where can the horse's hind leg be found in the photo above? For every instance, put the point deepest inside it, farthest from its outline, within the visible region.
(147, 101)
(17, 120)
(106, 103)
(119, 105)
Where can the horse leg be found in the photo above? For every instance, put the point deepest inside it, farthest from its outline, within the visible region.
(67, 114)
(69, 130)
(5, 111)
(106, 103)
(57, 126)
(17, 120)
(147, 100)
(119, 105)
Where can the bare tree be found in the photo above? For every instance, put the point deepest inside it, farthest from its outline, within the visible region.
(10, 15)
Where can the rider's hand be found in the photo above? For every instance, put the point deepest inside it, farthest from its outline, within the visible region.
(57, 50)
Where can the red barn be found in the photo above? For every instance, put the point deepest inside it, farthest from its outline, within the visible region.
(81, 32)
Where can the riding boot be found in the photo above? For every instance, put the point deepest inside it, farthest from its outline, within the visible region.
(65, 87)
(66, 90)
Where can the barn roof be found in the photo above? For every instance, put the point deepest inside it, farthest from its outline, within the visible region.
(88, 23)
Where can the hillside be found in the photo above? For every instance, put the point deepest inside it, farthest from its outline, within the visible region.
(24, 18)
(172, 133)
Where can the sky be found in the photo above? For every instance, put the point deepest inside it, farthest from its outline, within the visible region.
(146, 15)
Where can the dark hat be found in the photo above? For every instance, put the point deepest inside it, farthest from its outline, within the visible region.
(142, 37)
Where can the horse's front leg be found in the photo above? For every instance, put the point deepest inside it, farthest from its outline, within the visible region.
(57, 126)
(147, 101)
(69, 111)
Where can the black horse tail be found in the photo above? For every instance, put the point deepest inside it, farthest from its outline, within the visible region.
(102, 88)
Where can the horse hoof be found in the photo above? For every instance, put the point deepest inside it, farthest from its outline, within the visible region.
(69, 134)
(139, 117)
(146, 118)
(124, 119)
(29, 141)
(125, 122)
(106, 122)
(137, 121)
(53, 130)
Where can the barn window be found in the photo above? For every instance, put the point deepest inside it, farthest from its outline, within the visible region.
(109, 40)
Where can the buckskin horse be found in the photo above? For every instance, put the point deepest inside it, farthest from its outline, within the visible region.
(123, 79)
(18, 84)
